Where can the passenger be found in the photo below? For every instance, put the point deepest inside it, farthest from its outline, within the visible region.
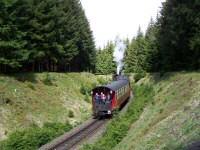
(103, 97)
(108, 97)
(96, 97)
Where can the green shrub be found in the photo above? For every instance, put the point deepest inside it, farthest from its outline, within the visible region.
(48, 80)
(71, 114)
(87, 98)
(31, 86)
(120, 124)
(2, 145)
(85, 89)
(161, 110)
(101, 81)
(93, 85)
(34, 137)
(4, 99)
(139, 76)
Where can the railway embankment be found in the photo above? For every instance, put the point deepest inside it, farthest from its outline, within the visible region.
(165, 114)
(171, 120)
(35, 108)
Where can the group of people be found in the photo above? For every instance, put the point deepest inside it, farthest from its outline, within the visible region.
(102, 97)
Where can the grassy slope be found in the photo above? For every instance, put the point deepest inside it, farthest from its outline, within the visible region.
(171, 121)
(25, 99)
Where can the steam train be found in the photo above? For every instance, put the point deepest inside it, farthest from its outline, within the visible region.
(108, 98)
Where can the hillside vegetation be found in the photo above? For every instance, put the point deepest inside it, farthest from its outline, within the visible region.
(171, 120)
(35, 99)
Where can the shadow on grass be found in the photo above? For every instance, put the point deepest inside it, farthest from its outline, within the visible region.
(22, 77)
(161, 76)
(157, 77)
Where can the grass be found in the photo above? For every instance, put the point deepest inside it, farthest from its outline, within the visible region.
(171, 120)
(36, 98)
(164, 114)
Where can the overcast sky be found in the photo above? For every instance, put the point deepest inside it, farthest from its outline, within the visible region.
(111, 18)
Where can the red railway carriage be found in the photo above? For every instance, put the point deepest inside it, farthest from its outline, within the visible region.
(106, 99)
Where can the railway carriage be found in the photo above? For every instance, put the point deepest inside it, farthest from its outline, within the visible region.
(110, 97)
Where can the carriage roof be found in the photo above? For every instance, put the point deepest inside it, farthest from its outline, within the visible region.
(114, 86)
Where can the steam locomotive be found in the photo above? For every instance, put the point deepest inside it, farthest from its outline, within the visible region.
(108, 98)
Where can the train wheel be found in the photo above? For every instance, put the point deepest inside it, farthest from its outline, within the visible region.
(94, 116)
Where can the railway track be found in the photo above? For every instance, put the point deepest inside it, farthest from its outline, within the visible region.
(71, 140)
(77, 135)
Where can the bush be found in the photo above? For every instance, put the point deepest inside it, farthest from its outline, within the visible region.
(34, 137)
(87, 98)
(161, 110)
(71, 114)
(101, 81)
(94, 85)
(4, 99)
(2, 145)
(85, 89)
(31, 86)
(139, 76)
(48, 80)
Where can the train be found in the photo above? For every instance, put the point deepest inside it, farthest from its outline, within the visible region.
(106, 99)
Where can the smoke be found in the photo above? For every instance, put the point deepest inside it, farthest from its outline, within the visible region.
(119, 53)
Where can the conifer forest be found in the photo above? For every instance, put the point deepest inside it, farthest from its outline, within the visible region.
(55, 36)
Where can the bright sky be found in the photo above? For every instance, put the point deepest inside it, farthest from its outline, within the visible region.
(111, 18)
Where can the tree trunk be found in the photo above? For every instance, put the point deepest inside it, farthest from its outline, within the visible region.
(69, 68)
(5, 69)
(33, 67)
(39, 69)
(47, 65)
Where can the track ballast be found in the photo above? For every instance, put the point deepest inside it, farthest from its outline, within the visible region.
(73, 138)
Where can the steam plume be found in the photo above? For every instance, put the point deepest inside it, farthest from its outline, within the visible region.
(119, 53)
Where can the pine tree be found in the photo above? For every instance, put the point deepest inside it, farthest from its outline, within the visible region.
(45, 35)
(152, 57)
(179, 35)
(135, 60)
(105, 61)
(12, 45)
(130, 57)
(86, 57)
